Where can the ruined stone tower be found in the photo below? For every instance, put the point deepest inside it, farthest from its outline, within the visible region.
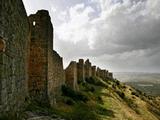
(93, 71)
(80, 70)
(88, 69)
(45, 66)
(14, 34)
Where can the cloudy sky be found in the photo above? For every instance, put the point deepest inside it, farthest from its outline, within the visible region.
(119, 35)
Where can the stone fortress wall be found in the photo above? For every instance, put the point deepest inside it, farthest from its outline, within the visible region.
(40, 27)
(46, 73)
(79, 71)
(14, 38)
(57, 76)
(29, 67)
(71, 75)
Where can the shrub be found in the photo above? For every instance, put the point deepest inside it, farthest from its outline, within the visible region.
(114, 86)
(83, 112)
(80, 81)
(124, 87)
(88, 88)
(103, 111)
(69, 102)
(90, 80)
(95, 81)
(117, 82)
(121, 94)
(100, 100)
(134, 93)
(132, 105)
(75, 95)
(92, 89)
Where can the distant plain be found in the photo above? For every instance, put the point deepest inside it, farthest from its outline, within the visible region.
(148, 83)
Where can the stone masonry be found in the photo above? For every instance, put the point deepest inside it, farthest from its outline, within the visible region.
(80, 70)
(29, 67)
(88, 70)
(93, 71)
(14, 37)
(98, 72)
(71, 75)
(46, 73)
(56, 76)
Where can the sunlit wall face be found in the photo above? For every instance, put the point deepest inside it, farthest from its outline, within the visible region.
(119, 35)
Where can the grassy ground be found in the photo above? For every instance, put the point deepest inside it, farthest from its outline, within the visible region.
(110, 100)
(100, 100)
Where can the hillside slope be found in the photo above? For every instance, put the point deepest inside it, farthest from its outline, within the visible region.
(98, 100)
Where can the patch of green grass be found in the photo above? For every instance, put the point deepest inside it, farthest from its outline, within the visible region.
(12, 116)
(68, 101)
(129, 101)
(103, 111)
(75, 95)
(87, 87)
(83, 112)
(95, 81)
(132, 105)
(8, 117)
(100, 100)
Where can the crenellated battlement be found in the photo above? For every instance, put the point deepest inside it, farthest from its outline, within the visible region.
(78, 72)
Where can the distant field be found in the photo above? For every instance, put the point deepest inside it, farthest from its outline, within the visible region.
(146, 82)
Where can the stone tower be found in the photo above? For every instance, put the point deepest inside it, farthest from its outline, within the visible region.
(93, 71)
(88, 69)
(71, 75)
(80, 70)
(46, 73)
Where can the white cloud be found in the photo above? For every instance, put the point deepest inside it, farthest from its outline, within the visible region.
(77, 28)
(124, 30)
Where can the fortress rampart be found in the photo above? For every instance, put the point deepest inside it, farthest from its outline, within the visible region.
(45, 66)
(14, 39)
(78, 72)
(29, 67)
